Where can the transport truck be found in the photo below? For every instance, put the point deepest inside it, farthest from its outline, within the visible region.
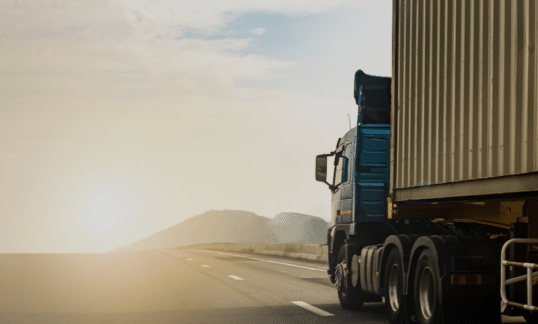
(435, 190)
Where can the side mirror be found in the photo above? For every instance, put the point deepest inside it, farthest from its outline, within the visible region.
(321, 168)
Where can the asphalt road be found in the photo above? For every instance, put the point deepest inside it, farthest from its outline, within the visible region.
(170, 286)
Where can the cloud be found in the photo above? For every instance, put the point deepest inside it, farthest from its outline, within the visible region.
(210, 16)
(149, 17)
(144, 50)
(88, 48)
(257, 31)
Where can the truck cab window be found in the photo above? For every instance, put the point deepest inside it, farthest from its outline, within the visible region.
(340, 170)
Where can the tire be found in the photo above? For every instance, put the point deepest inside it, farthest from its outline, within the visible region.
(531, 317)
(349, 297)
(477, 305)
(426, 290)
(393, 288)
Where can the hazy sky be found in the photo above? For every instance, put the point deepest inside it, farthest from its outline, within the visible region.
(119, 118)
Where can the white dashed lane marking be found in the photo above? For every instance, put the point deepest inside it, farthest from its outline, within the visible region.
(205, 266)
(294, 274)
(189, 259)
(311, 308)
(235, 277)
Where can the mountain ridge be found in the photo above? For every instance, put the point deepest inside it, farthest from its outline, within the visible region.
(217, 226)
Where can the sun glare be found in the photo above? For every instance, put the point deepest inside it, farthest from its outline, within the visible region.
(106, 212)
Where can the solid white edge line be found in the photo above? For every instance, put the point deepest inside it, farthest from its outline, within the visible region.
(235, 277)
(311, 308)
(205, 266)
(284, 263)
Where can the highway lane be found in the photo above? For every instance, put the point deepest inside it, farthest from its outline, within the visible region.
(277, 282)
(170, 286)
(313, 272)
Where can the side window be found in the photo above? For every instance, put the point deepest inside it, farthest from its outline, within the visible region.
(340, 171)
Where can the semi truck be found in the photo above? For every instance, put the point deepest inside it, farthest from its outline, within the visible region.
(435, 190)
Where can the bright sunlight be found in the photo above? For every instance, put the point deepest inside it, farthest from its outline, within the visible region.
(106, 212)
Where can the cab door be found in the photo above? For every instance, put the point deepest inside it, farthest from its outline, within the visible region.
(342, 202)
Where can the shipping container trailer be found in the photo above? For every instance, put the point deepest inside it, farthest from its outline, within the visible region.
(464, 101)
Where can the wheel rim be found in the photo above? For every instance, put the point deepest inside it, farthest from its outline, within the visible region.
(426, 293)
(394, 287)
(339, 277)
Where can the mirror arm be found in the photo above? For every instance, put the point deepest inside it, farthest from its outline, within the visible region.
(331, 187)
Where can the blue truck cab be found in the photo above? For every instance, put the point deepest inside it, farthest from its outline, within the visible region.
(360, 184)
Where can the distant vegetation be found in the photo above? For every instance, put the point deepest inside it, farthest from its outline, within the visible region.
(294, 227)
(235, 226)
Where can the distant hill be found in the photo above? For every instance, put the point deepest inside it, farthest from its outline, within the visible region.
(210, 227)
(295, 227)
(235, 226)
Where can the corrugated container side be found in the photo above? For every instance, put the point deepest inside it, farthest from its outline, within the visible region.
(464, 99)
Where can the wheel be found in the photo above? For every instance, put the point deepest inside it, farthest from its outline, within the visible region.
(477, 305)
(531, 317)
(350, 298)
(426, 289)
(393, 292)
